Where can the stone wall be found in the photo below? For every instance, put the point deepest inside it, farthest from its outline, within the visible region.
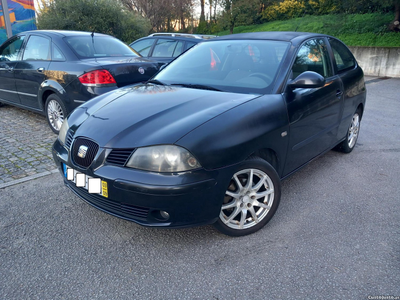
(378, 61)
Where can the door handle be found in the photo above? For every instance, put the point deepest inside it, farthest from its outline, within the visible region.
(339, 93)
(40, 70)
(9, 69)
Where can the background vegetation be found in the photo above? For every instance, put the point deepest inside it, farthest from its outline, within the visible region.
(103, 16)
(368, 30)
(356, 22)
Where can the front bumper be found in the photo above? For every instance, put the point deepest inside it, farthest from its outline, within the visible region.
(190, 198)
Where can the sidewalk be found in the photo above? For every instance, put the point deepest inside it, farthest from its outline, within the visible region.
(25, 146)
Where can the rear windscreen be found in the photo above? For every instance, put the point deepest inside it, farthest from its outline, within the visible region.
(99, 46)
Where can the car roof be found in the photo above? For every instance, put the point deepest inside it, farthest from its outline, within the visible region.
(287, 36)
(184, 35)
(63, 33)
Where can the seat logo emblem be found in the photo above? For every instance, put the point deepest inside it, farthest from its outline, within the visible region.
(141, 70)
(82, 151)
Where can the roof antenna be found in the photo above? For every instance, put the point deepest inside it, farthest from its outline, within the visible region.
(299, 23)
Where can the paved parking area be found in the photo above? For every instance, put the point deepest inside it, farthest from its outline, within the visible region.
(25, 145)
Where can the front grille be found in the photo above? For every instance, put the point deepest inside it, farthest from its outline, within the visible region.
(119, 209)
(91, 152)
(69, 138)
(119, 156)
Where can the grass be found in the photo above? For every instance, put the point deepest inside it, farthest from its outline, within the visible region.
(355, 30)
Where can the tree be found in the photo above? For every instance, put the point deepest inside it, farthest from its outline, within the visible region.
(103, 16)
(163, 13)
(243, 12)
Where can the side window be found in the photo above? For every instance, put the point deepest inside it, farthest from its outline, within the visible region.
(10, 51)
(343, 58)
(143, 46)
(312, 56)
(189, 45)
(37, 48)
(57, 54)
(178, 49)
(164, 48)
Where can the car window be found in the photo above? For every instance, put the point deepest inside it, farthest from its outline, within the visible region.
(178, 49)
(143, 46)
(164, 48)
(189, 45)
(37, 48)
(57, 54)
(313, 56)
(10, 50)
(344, 59)
(86, 46)
(242, 66)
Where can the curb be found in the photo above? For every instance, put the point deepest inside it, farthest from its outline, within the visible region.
(28, 178)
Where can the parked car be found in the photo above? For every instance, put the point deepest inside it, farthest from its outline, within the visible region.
(52, 72)
(164, 47)
(211, 136)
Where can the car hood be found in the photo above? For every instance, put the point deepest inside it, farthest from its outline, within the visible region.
(149, 114)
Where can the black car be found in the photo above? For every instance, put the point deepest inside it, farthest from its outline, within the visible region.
(164, 47)
(53, 72)
(211, 136)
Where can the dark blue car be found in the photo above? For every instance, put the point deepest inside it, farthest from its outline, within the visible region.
(211, 136)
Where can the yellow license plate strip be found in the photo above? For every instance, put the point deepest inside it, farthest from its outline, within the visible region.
(91, 184)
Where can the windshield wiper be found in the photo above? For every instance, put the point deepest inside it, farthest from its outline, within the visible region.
(197, 86)
(155, 81)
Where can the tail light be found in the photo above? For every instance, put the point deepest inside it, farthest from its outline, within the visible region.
(97, 77)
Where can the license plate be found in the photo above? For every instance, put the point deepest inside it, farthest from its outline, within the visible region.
(91, 184)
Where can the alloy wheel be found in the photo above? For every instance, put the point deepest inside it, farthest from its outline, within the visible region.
(353, 130)
(248, 199)
(55, 114)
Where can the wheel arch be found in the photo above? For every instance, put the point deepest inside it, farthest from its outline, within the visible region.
(270, 156)
(361, 108)
(51, 87)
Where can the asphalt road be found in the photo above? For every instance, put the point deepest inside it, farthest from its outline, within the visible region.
(336, 235)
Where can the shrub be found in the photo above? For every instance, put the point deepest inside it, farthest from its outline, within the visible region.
(287, 9)
(103, 16)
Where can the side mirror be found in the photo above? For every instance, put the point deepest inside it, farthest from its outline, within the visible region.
(306, 80)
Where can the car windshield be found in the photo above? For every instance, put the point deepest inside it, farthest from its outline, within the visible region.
(99, 46)
(240, 66)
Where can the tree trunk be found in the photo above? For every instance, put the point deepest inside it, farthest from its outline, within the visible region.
(202, 17)
(232, 20)
(183, 21)
(210, 17)
(395, 25)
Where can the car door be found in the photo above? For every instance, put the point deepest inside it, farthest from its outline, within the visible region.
(10, 53)
(32, 70)
(314, 113)
(352, 77)
(166, 50)
(143, 46)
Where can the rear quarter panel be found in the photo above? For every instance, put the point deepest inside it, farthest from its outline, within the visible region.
(354, 95)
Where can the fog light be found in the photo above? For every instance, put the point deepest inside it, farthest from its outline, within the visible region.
(164, 214)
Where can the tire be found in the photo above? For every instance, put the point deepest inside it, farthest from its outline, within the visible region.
(55, 112)
(1, 104)
(249, 205)
(352, 134)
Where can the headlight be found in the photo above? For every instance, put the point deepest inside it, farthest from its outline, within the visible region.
(167, 158)
(63, 131)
